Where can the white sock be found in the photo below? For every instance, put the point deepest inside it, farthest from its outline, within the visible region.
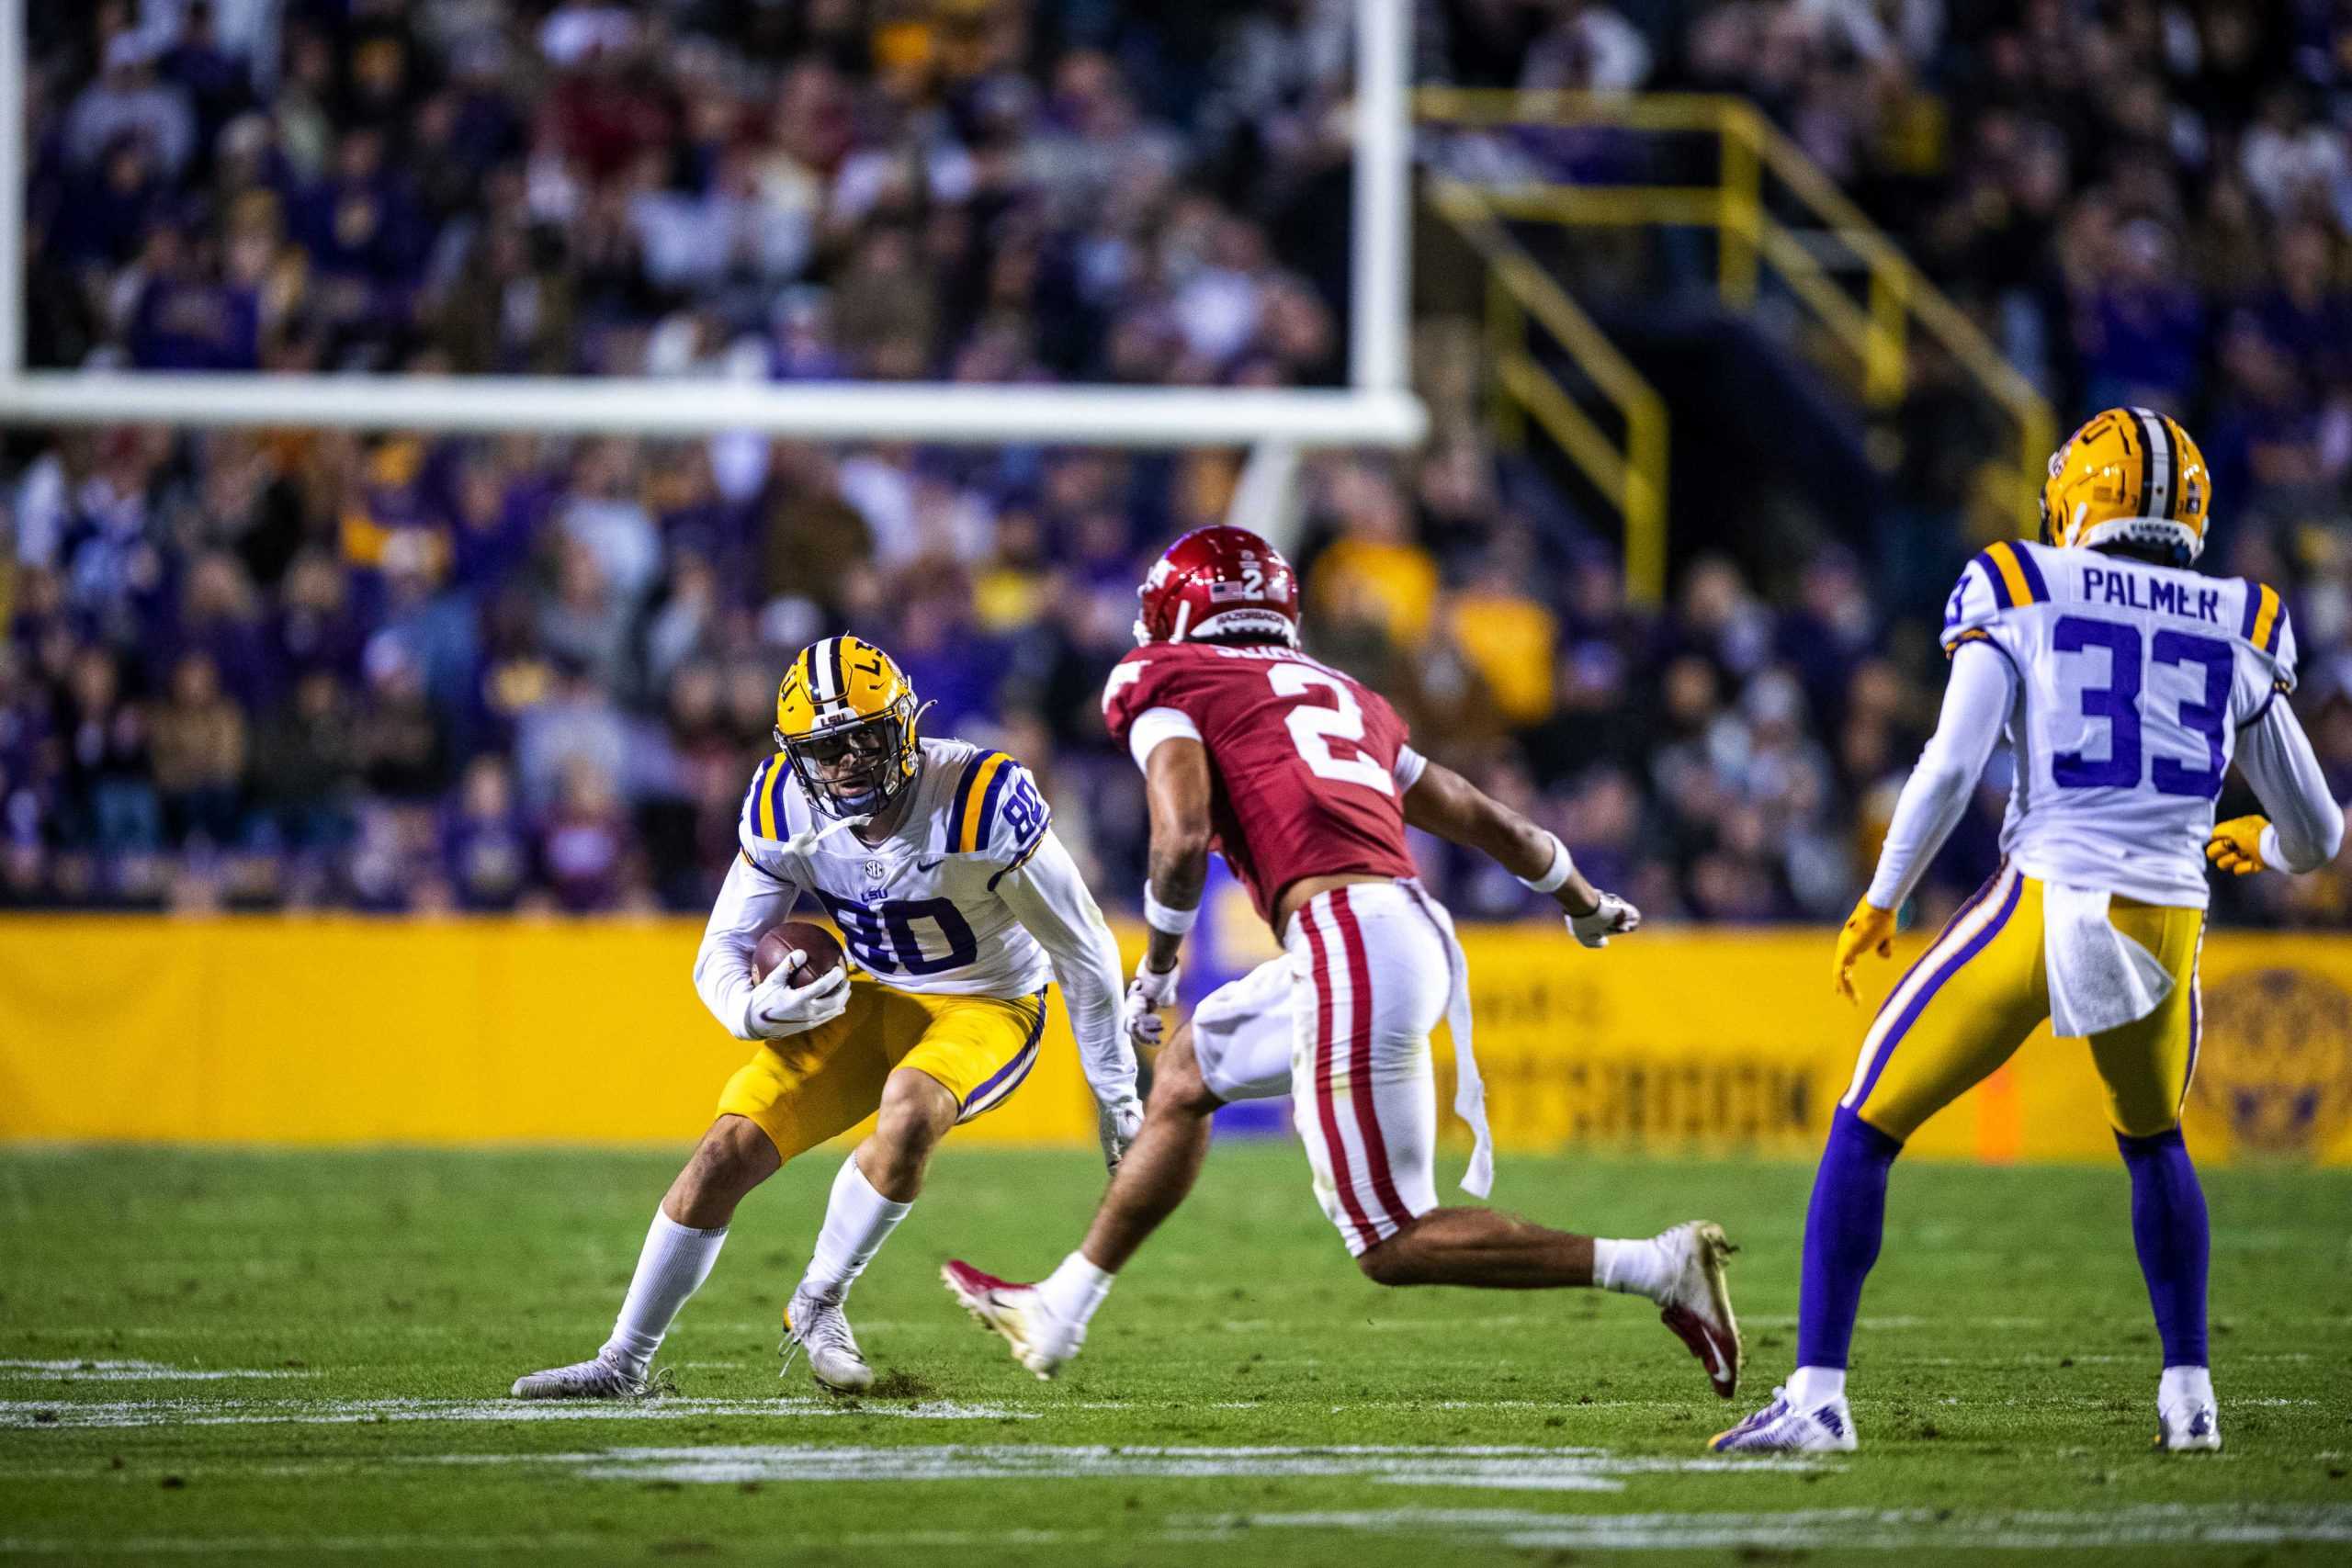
(1074, 1290)
(2185, 1385)
(676, 1262)
(858, 1220)
(1636, 1268)
(1810, 1388)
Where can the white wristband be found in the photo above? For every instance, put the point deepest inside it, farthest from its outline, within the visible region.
(1167, 921)
(1554, 874)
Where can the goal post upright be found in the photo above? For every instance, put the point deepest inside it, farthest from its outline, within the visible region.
(13, 165)
(1381, 243)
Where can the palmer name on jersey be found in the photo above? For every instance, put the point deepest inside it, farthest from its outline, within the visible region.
(2133, 683)
(919, 911)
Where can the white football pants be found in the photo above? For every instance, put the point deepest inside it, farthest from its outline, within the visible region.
(1341, 1022)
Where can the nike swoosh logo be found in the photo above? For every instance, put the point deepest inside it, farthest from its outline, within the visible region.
(930, 864)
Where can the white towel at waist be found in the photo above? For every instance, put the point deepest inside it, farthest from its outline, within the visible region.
(2099, 978)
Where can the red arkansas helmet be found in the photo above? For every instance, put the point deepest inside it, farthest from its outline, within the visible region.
(1219, 582)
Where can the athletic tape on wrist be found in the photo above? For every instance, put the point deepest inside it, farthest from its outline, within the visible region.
(1165, 920)
(1554, 874)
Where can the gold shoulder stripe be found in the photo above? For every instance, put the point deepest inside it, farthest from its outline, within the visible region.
(768, 795)
(2004, 556)
(975, 796)
(2266, 618)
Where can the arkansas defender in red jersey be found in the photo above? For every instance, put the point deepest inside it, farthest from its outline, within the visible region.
(1303, 779)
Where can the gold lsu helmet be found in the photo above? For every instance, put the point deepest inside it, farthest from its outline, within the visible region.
(2128, 475)
(843, 702)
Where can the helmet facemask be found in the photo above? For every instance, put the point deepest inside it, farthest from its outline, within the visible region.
(855, 769)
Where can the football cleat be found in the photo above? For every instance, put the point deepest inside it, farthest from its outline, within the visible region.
(816, 1324)
(1696, 1303)
(2192, 1426)
(1042, 1339)
(606, 1377)
(1781, 1428)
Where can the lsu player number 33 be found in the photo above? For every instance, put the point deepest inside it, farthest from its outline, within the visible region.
(2127, 684)
(956, 905)
(1302, 778)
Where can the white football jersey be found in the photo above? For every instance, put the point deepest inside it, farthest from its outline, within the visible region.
(919, 911)
(2134, 682)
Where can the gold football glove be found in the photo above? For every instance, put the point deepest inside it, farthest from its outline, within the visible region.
(2236, 845)
(1868, 930)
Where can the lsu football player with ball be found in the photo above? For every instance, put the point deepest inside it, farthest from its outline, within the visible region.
(957, 905)
(1304, 778)
(2126, 684)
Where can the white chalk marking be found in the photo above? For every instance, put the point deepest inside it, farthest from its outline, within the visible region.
(1487, 1468)
(19, 1370)
(1848, 1528)
(32, 1414)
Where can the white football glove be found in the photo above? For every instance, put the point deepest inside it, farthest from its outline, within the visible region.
(779, 1008)
(1611, 917)
(1117, 1123)
(1150, 991)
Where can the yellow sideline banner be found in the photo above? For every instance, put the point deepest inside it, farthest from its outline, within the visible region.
(344, 1030)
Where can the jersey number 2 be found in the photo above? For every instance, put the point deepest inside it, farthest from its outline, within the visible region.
(2118, 702)
(1313, 728)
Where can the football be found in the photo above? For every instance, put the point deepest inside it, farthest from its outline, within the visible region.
(822, 952)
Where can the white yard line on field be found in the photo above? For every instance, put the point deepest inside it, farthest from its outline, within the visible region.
(82, 1370)
(1483, 1467)
(32, 1414)
(1799, 1529)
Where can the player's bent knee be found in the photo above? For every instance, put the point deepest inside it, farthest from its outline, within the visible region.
(736, 1150)
(1177, 1086)
(1888, 1123)
(734, 1156)
(916, 1112)
(2145, 1130)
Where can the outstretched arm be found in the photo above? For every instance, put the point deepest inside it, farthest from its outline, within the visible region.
(1442, 801)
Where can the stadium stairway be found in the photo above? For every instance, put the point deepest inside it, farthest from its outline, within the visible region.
(1701, 338)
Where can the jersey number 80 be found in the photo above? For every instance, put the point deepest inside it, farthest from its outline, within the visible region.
(887, 938)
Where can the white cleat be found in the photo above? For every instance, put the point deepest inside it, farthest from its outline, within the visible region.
(1781, 1428)
(1696, 1305)
(2188, 1426)
(816, 1324)
(1042, 1339)
(606, 1377)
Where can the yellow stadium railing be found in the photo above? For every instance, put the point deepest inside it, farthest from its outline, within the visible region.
(1631, 475)
(1898, 303)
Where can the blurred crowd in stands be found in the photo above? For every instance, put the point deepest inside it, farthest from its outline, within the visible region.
(420, 672)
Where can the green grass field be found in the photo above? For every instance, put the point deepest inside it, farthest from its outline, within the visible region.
(289, 1358)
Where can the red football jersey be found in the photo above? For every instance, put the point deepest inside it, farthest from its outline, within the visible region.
(1302, 758)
